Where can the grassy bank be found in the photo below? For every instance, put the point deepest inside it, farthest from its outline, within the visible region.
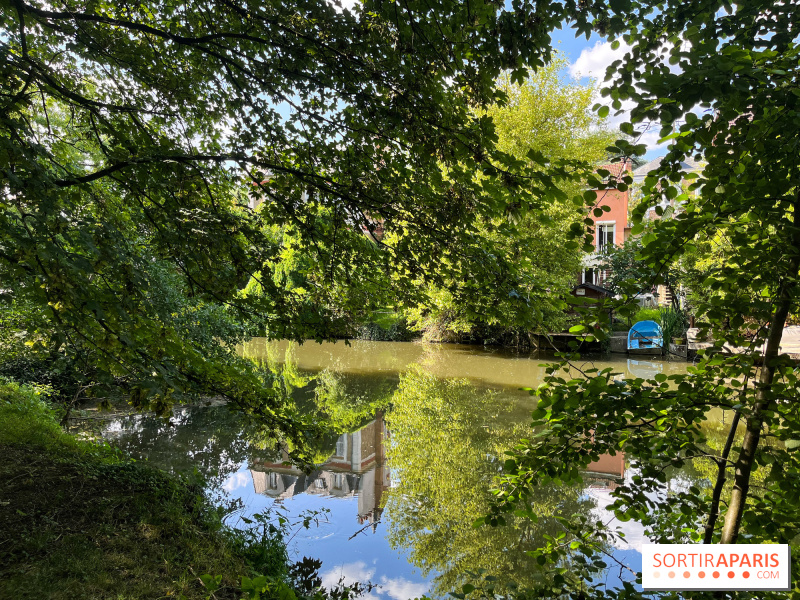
(78, 520)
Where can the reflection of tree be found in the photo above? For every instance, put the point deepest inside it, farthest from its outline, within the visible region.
(216, 441)
(701, 473)
(446, 440)
(212, 440)
(347, 402)
(356, 468)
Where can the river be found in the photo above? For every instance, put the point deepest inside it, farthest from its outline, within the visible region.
(416, 435)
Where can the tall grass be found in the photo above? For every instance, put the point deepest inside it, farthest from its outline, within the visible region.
(673, 323)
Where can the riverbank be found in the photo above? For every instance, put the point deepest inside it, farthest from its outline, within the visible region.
(80, 520)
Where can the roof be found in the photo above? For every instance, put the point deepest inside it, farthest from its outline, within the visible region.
(688, 166)
(616, 169)
(594, 287)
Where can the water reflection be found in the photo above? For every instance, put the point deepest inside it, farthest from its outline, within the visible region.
(417, 435)
(607, 472)
(644, 369)
(493, 368)
(356, 469)
(446, 446)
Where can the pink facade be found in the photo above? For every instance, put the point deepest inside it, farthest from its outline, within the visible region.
(611, 228)
(617, 217)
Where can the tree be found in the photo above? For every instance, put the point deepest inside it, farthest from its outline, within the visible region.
(729, 95)
(631, 274)
(546, 117)
(302, 274)
(132, 135)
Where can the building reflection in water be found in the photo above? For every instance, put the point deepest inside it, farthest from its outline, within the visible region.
(356, 469)
(606, 473)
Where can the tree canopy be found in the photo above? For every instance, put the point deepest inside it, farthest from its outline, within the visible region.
(546, 118)
(132, 137)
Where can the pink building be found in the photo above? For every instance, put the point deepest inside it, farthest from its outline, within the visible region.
(611, 229)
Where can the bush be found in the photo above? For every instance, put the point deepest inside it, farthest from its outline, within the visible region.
(385, 328)
(673, 323)
(648, 314)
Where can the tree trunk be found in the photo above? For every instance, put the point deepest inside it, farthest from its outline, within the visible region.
(747, 455)
(722, 468)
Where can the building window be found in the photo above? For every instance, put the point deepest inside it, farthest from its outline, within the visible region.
(338, 481)
(319, 483)
(589, 276)
(341, 445)
(605, 236)
(273, 481)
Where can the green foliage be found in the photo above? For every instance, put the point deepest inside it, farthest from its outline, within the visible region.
(673, 323)
(546, 117)
(647, 314)
(660, 424)
(19, 321)
(29, 419)
(334, 403)
(302, 273)
(721, 80)
(344, 406)
(386, 326)
(26, 415)
(80, 520)
(632, 274)
(550, 113)
(134, 138)
(23, 357)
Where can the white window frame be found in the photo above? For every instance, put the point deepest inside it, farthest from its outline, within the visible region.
(601, 225)
(341, 446)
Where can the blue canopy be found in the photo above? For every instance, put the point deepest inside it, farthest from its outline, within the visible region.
(645, 334)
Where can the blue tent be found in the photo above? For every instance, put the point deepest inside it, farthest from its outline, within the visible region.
(645, 334)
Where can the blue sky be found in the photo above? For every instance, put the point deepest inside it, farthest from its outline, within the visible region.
(572, 47)
(589, 59)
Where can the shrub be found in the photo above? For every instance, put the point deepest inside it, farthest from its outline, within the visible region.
(647, 314)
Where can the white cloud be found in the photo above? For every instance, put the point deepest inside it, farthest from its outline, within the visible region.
(235, 481)
(594, 61)
(396, 588)
(348, 574)
(402, 589)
